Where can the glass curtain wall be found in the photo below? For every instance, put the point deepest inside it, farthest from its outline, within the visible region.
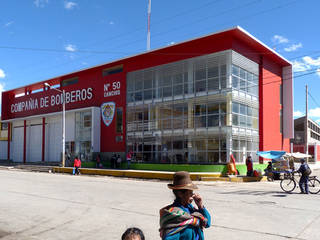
(177, 113)
(198, 110)
(245, 108)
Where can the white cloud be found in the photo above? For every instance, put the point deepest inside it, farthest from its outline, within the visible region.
(40, 3)
(111, 22)
(8, 24)
(314, 112)
(279, 39)
(69, 5)
(297, 114)
(70, 48)
(2, 74)
(311, 61)
(293, 47)
(300, 66)
(307, 63)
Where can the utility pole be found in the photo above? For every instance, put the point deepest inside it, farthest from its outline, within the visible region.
(306, 135)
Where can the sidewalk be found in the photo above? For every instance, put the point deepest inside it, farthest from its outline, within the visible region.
(314, 166)
(143, 174)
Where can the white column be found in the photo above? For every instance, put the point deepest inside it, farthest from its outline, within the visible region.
(95, 129)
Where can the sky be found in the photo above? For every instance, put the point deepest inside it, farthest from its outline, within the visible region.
(42, 39)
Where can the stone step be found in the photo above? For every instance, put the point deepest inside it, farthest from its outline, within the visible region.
(35, 168)
(235, 179)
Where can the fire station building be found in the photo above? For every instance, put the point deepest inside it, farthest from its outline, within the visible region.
(195, 102)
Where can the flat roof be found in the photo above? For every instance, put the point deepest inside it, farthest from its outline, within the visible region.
(302, 119)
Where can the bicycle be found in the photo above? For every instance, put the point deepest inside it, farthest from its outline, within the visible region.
(290, 182)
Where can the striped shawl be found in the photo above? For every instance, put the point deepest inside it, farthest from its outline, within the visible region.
(175, 219)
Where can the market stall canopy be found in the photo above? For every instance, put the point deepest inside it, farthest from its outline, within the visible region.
(297, 155)
(271, 154)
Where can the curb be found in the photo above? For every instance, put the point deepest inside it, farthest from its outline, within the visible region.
(134, 173)
(195, 176)
(235, 179)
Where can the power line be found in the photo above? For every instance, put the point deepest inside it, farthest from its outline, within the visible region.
(285, 78)
(117, 36)
(305, 55)
(126, 34)
(288, 78)
(313, 99)
(116, 52)
(233, 9)
(58, 50)
(208, 17)
(237, 8)
(199, 20)
(163, 20)
(103, 52)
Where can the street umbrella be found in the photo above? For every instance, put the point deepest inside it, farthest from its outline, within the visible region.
(297, 155)
(271, 154)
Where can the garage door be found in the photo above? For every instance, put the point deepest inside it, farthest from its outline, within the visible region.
(17, 144)
(34, 143)
(54, 143)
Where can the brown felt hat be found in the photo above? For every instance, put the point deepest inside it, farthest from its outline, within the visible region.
(182, 180)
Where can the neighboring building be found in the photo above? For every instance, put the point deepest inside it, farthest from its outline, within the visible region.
(194, 102)
(312, 134)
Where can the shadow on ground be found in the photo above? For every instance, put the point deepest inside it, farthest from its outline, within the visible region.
(257, 193)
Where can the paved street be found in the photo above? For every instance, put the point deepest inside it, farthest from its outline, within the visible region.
(56, 206)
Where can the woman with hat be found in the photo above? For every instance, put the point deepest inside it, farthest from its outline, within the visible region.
(181, 220)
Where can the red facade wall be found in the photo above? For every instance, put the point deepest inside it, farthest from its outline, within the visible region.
(270, 112)
(90, 79)
(271, 70)
(108, 133)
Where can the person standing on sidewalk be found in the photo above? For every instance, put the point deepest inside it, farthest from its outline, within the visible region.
(129, 158)
(181, 220)
(119, 160)
(77, 165)
(249, 166)
(113, 161)
(98, 161)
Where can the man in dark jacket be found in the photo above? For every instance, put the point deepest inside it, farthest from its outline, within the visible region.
(305, 172)
(249, 166)
(113, 160)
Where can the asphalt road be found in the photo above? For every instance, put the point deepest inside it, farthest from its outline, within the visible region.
(56, 206)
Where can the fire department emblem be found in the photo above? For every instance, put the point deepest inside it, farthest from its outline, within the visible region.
(107, 112)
